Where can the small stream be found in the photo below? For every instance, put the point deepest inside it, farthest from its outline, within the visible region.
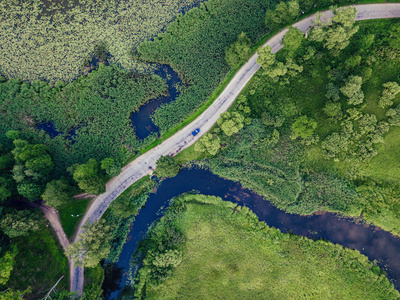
(375, 243)
(141, 120)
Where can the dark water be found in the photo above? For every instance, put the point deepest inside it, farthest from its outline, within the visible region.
(376, 244)
(51, 130)
(141, 120)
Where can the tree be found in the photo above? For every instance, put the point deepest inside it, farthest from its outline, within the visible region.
(334, 144)
(7, 263)
(333, 109)
(293, 39)
(238, 52)
(283, 13)
(208, 143)
(90, 178)
(273, 68)
(30, 190)
(352, 90)
(167, 167)
(388, 94)
(230, 122)
(19, 223)
(170, 258)
(57, 192)
(92, 245)
(266, 59)
(110, 166)
(338, 31)
(5, 188)
(332, 92)
(303, 127)
(10, 294)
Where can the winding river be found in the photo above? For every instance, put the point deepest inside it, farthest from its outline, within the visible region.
(373, 242)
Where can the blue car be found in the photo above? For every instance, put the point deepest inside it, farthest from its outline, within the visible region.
(196, 131)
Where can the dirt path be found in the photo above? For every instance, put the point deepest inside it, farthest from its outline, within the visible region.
(143, 165)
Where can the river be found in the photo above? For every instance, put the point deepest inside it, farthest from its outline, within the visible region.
(373, 242)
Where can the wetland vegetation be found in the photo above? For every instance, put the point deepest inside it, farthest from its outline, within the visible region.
(204, 247)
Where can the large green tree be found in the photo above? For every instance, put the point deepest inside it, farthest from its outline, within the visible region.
(57, 193)
(92, 245)
(239, 51)
(230, 122)
(292, 40)
(284, 12)
(337, 32)
(7, 261)
(303, 127)
(90, 178)
(209, 143)
(352, 90)
(167, 167)
(388, 94)
(19, 223)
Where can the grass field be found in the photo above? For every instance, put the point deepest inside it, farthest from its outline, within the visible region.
(229, 254)
(71, 213)
(39, 263)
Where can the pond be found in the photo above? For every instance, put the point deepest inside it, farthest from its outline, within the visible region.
(376, 244)
(141, 120)
(51, 130)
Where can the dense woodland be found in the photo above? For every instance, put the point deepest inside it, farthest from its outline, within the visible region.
(315, 129)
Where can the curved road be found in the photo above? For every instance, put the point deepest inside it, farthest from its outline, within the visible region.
(144, 164)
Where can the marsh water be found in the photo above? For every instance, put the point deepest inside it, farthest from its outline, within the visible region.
(141, 120)
(373, 242)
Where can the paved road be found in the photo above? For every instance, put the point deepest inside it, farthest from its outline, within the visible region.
(183, 139)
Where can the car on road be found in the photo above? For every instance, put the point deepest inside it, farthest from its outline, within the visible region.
(196, 131)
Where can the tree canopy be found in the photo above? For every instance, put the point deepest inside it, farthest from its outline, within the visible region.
(239, 51)
(167, 167)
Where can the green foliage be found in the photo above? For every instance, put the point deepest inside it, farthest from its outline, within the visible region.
(352, 90)
(285, 12)
(276, 69)
(32, 168)
(333, 110)
(91, 28)
(19, 223)
(303, 127)
(7, 261)
(388, 94)
(194, 45)
(337, 32)
(57, 192)
(92, 245)
(230, 122)
(10, 294)
(96, 107)
(216, 262)
(239, 52)
(292, 39)
(90, 178)
(71, 213)
(40, 262)
(166, 166)
(208, 143)
(111, 168)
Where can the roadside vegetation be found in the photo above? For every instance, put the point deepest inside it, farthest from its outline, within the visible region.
(204, 247)
(320, 123)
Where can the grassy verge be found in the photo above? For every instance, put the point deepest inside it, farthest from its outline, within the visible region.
(229, 252)
(71, 214)
(39, 263)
